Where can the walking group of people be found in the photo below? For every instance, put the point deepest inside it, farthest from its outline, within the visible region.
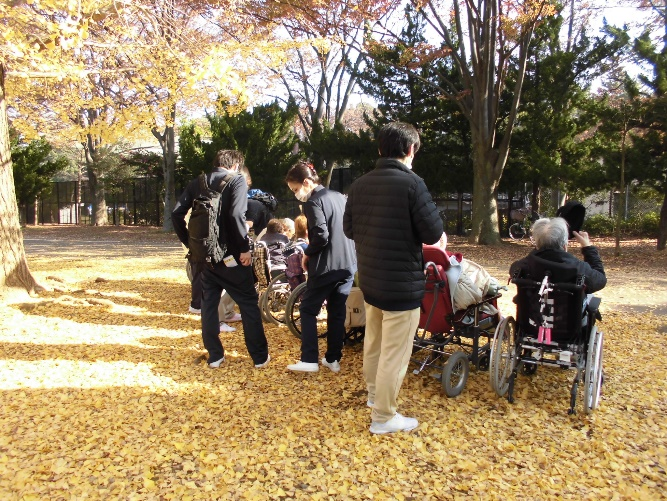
(377, 231)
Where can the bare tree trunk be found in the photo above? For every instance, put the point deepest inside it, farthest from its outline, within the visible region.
(662, 226)
(485, 185)
(484, 203)
(99, 215)
(619, 213)
(167, 142)
(15, 271)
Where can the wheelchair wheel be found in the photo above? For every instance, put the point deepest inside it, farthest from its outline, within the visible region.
(593, 369)
(517, 231)
(293, 315)
(265, 318)
(455, 373)
(503, 355)
(274, 299)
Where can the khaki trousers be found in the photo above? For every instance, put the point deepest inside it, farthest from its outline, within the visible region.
(226, 306)
(387, 349)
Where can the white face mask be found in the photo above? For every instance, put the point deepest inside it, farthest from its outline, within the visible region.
(302, 194)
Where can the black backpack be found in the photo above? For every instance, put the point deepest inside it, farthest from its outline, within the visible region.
(203, 227)
(267, 199)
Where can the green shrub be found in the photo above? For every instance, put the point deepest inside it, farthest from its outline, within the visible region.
(644, 225)
(599, 225)
(639, 225)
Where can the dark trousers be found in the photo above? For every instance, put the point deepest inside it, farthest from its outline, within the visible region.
(335, 293)
(239, 284)
(195, 300)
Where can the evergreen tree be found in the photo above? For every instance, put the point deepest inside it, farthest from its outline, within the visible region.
(548, 147)
(264, 135)
(444, 159)
(653, 143)
(34, 165)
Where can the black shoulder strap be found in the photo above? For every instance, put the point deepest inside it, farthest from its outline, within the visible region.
(203, 185)
(225, 181)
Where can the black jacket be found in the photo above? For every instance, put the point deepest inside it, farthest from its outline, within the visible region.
(389, 215)
(259, 214)
(331, 255)
(233, 231)
(568, 267)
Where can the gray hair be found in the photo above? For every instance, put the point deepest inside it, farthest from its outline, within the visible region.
(550, 233)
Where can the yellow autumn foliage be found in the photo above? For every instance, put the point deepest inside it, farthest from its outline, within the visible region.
(105, 396)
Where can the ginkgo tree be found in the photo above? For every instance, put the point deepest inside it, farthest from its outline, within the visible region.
(61, 51)
(150, 62)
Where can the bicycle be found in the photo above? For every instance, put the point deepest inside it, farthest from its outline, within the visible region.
(524, 218)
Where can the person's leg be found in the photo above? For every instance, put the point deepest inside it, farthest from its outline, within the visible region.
(239, 284)
(372, 345)
(226, 308)
(196, 293)
(398, 329)
(336, 320)
(311, 304)
(210, 326)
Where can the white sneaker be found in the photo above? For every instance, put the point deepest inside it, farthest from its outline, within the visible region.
(334, 366)
(236, 317)
(304, 367)
(196, 311)
(261, 366)
(216, 364)
(226, 328)
(397, 423)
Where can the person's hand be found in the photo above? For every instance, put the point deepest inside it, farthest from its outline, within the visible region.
(582, 238)
(304, 262)
(245, 258)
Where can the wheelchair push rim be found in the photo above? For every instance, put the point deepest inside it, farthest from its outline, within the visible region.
(593, 371)
(503, 355)
(274, 300)
(293, 315)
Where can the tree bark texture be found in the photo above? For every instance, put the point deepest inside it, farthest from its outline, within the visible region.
(15, 271)
(99, 214)
(168, 144)
(484, 203)
(662, 226)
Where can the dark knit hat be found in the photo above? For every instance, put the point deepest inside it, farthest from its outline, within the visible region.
(574, 213)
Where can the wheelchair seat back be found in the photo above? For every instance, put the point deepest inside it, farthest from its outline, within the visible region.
(436, 307)
(567, 317)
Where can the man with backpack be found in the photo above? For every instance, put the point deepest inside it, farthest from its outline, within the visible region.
(217, 239)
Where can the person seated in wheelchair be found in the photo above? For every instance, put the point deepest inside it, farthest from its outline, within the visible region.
(551, 241)
(276, 241)
(551, 256)
(293, 253)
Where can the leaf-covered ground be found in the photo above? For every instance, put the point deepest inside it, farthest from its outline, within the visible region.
(104, 395)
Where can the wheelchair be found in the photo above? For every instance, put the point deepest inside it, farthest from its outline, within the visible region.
(554, 326)
(268, 279)
(355, 315)
(285, 278)
(449, 340)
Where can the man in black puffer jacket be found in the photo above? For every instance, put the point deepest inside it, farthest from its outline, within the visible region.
(390, 214)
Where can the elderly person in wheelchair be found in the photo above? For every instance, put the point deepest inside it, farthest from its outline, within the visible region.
(556, 313)
(551, 239)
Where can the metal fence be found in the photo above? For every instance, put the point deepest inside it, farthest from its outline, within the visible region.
(137, 202)
(140, 201)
